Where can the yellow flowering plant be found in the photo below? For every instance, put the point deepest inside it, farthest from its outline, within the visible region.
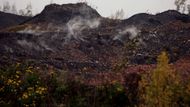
(21, 85)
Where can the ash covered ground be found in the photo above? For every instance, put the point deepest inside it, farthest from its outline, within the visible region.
(75, 37)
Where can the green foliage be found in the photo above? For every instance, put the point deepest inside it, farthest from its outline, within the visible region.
(76, 94)
(111, 96)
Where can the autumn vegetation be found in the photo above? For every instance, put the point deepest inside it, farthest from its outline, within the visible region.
(26, 85)
(164, 87)
(164, 84)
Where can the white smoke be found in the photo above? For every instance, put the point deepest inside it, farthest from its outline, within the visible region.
(28, 45)
(45, 46)
(27, 31)
(76, 25)
(30, 30)
(130, 32)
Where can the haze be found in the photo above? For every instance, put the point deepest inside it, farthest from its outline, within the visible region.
(104, 7)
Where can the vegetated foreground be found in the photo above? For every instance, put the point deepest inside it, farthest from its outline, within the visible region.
(69, 55)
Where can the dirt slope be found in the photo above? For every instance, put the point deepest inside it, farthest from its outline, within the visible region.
(76, 38)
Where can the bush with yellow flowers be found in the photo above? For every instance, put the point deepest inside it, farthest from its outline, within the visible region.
(20, 85)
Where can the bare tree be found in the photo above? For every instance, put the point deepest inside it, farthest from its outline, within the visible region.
(6, 7)
(21, 12)
(180, 5)
(0, 8)
(13, 9)
(27, 11)
(119, 14)
(188, 9)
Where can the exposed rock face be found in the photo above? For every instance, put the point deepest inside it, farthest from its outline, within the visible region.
(8, 20)
(55, 13)
(79, 39)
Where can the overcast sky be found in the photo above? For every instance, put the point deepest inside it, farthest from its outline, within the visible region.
(105, 7)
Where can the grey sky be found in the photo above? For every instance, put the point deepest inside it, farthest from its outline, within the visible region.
(105, 7)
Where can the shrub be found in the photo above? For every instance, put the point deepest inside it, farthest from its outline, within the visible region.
(77, 94)
(21, 86)
(24, 85)
(162, 87)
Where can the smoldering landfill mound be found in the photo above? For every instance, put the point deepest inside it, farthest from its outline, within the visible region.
(76, 38)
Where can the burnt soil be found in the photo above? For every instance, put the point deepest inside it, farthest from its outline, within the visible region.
(93, 49)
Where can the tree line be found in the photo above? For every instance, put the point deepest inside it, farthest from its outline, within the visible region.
(182, 6)
(7, 8)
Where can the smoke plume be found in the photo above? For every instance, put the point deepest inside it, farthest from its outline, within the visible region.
(128, 32)
(28, 45)
(76, 25)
